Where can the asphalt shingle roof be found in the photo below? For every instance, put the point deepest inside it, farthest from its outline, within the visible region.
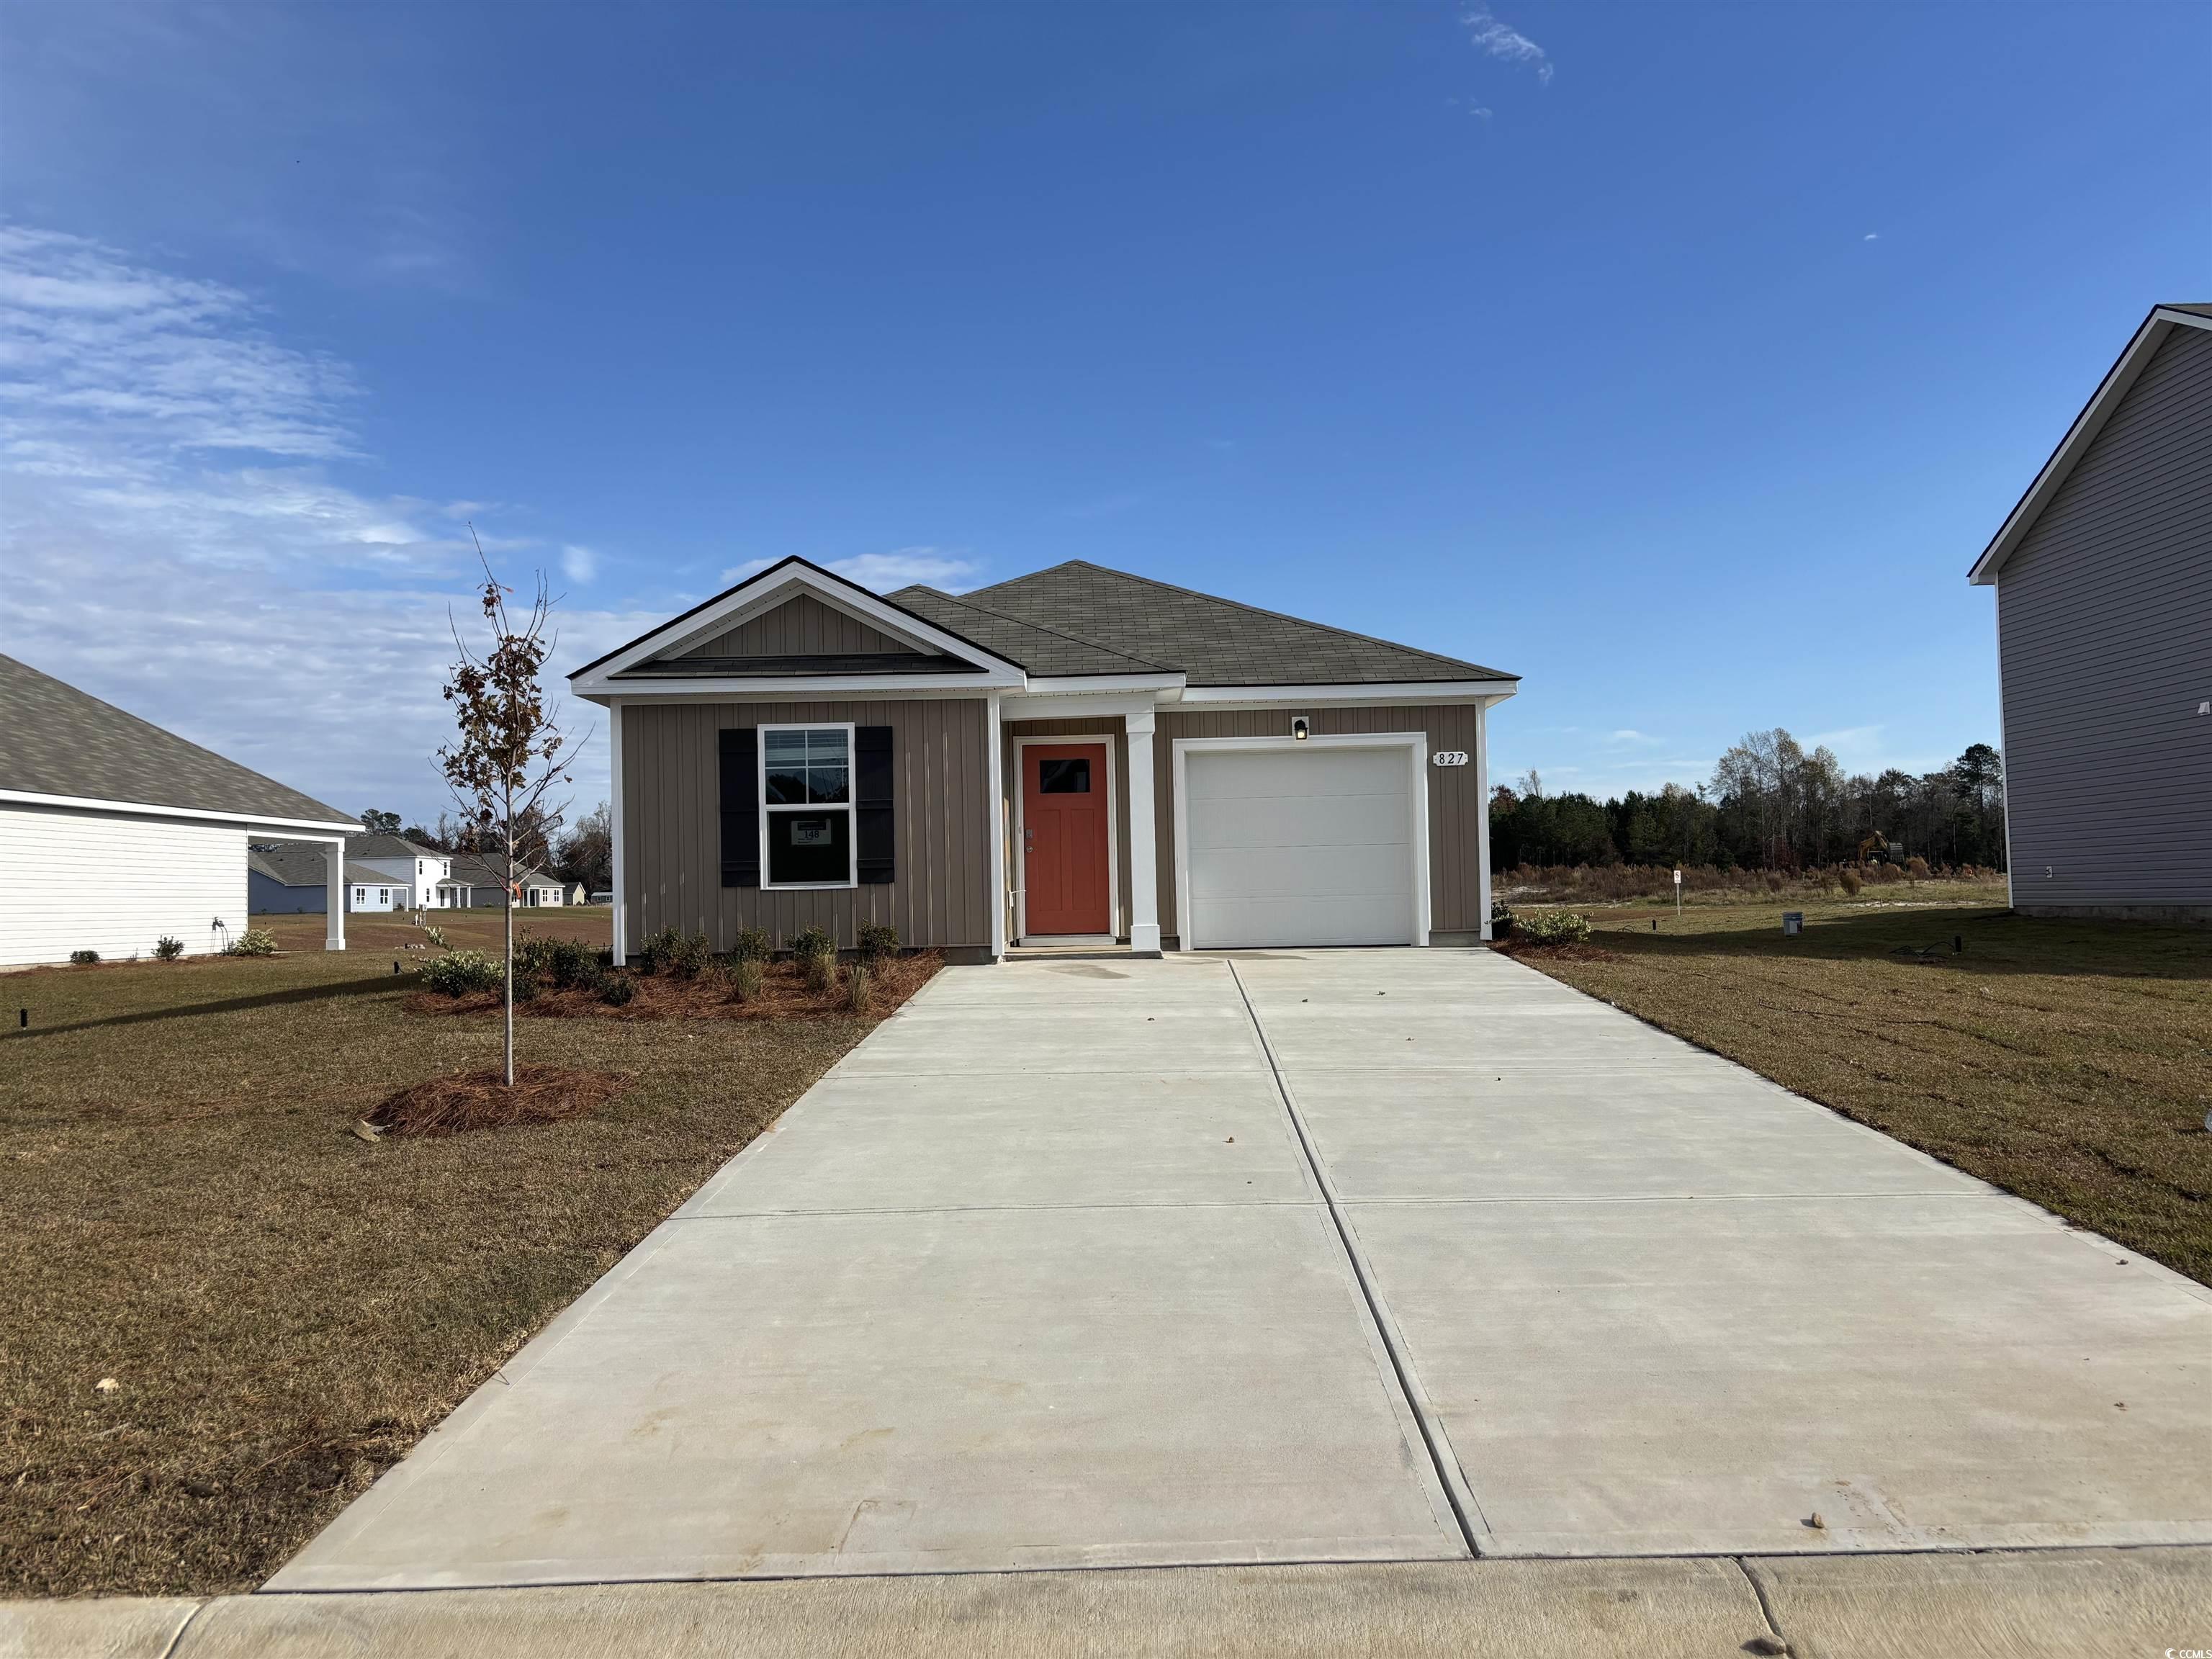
(1215, 642)
(57, 740)
(1041, 647)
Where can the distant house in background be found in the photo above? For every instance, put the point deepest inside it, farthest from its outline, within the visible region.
(283, 880)
(114, 833)
(397, 863)
(2104, 580)
(475, 882)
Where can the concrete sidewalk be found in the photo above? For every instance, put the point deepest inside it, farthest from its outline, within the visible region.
(2064, 1604)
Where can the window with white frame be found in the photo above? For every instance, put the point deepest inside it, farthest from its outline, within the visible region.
(807, 806)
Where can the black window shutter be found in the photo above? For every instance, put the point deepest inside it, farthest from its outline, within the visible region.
(872, 802)
(741, 848)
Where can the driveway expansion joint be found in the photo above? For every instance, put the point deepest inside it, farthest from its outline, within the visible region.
(1467, 1509)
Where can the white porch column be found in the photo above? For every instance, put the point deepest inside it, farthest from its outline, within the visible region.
(334, 895)
(1482, 812)
(619, 920)
(994, 768)
(1144, 864)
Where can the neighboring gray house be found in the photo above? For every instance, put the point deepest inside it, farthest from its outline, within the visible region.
(114, 833)
(1080, 755)
(2104, 580)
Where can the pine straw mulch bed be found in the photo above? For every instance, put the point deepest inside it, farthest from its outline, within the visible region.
(461, 1101)
(783, 995)
(1538, 951)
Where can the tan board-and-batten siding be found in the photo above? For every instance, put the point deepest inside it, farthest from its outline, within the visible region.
(1457, 815)
(799, 627)
(672, 825)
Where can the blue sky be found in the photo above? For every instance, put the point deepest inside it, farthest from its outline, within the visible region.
(1679, 358)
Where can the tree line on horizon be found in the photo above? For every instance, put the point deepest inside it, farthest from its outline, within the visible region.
(1769, 805)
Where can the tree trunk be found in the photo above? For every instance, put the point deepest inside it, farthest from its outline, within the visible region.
(507, 905)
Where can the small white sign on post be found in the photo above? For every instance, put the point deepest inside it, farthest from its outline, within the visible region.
(1678, 895)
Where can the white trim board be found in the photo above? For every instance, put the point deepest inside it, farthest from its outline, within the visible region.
(1113, 836)
(763, 591)
(308, 829)
(1416, 744)
(1343, 696)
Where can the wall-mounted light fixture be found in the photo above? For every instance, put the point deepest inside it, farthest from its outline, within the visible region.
(1301, 727)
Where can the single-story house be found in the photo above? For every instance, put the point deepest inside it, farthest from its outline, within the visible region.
(114, 833)
(475, 882)
(2103, 573)
(1077, 755)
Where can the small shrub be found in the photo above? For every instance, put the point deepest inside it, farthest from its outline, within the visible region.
(752, 945)
(674, 952)
(461, 973)
(1916, 868)
(876, 940)
(616, 989)
(746, 975)
(812, 942)
(820, 969)
(1501, 919)
(654, 949)
(561, 963)
(859, 987)
(83, 958)
(1555, 928)
(167, 948)
(1851, 883)
(253, 942)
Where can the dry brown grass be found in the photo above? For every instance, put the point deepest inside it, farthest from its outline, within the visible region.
(287, 1308)
(2068, 1062)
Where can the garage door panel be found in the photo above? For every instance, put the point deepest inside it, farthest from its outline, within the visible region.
(1304, 773)
(1296, 873)
(1308, 845)
(1302, 822)
(1357, 921)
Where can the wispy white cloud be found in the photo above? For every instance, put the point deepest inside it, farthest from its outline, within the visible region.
(176, 541)
(933, 566)
(1871, 236)
(1502, 42)
(579, 564)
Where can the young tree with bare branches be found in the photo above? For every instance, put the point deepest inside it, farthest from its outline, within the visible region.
(509, 753)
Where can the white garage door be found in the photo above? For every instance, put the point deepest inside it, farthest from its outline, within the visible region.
(1310, 845)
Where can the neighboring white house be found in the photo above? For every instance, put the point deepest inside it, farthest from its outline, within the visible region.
(474, 884)
(414, 873)
(115, 834)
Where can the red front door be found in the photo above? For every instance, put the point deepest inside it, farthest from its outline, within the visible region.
(1064, 833)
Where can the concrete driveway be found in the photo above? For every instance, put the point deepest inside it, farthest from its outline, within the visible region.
(1326, 1256)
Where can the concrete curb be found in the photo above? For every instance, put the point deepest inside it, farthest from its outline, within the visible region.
(2055, 1604)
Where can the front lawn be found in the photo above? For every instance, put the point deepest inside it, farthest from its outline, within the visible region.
(2068, 1062)
(284, 1308)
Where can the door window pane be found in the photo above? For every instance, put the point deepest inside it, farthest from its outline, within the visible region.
(1064, 777)
(810, 847)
